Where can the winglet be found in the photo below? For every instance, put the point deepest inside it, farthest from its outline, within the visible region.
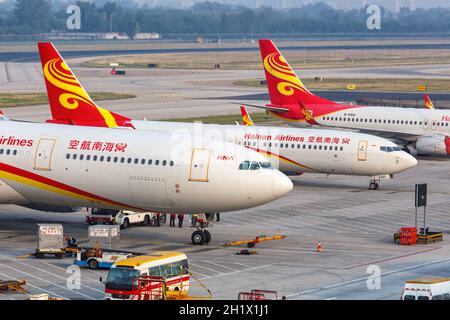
(246, 117)
(69, 101)
(428, 102)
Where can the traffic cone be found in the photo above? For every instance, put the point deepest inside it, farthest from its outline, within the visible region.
(319, 247)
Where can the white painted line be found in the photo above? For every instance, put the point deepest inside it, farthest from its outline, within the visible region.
(220, 265)
(198, 266)
(36, 287)
(61, 268)
(43, 280)
(239, 271)
(365, 278)
(50, 273)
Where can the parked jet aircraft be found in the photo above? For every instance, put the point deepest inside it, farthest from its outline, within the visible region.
(293, 151)
(60, 165)
(426, 132)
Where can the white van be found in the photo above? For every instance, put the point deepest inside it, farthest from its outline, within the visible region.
(427, 289)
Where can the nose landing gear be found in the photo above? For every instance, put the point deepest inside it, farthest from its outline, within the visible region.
(373, 185)
(201, 236)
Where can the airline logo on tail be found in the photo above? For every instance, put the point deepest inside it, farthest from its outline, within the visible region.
(309, 118)
(285, 87)
(246, 117)
(428, 103)
(69, 101)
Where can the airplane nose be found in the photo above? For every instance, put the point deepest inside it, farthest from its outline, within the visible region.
(281, 184)
(407, 161)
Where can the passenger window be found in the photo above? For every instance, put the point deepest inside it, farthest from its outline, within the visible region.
(81, 156)
(88, 157)
(155, 272)
(136, 161)
(108, 158)
(143, 161)
(150, 162)
(102, 158)
(244, 165)
(171, 163)
(129, 160)
(164, 162)
(156, 162)
(122, 160)
(74, 157)
(67, 155)
(115, 159)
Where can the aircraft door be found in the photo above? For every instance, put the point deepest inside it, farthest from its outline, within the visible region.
(200, 165)
(43, 155)
(362, 150)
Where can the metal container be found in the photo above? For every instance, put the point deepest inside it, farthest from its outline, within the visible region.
(50, 237)
(104, 236)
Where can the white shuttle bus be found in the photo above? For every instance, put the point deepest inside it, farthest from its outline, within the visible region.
(427, 289)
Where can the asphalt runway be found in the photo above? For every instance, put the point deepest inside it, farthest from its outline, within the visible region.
(25, 56)
(165, 94)
(354, 225)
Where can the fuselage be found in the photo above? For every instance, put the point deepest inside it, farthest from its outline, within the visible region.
(296, 151)
(407, 121)
(138, 170)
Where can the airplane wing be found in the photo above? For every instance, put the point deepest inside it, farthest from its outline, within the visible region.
(266, 107)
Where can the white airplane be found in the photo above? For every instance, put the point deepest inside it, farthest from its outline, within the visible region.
(420, 131)
(60, 165)
(293, 151)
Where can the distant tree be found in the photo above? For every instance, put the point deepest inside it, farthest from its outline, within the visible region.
(33, 16)
(109, 8)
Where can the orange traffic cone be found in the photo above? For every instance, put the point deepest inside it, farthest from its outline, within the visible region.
(319, 247)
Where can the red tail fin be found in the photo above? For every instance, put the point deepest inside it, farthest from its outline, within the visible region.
(69, 101)
(285, 88)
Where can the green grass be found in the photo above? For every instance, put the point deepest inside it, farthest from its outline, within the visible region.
(393, 85)
(11, 100)
(258, 118)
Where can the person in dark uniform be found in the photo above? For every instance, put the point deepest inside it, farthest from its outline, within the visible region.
(180, 220)
(217, 217)
(158, 217)
(172, 219)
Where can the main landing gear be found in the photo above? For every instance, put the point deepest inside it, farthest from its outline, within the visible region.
(201, 236)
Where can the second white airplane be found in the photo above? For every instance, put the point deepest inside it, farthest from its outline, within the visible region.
(294, 151)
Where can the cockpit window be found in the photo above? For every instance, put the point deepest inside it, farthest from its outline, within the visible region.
(255, 166)
(390, 149)
(244, 165)
(266, 165)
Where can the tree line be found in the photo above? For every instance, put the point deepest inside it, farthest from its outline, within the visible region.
(41, 16)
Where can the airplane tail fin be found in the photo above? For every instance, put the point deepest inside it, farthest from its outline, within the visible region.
(428, 102)
(285, 88)
(246, 117)
(69, 101)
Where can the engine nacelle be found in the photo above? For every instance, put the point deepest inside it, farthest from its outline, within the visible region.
(433, 145)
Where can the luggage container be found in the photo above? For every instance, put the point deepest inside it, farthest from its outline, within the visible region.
(49, 240)
(104, 236)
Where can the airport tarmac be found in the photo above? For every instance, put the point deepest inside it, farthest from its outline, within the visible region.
(164, 94)
(354, 225)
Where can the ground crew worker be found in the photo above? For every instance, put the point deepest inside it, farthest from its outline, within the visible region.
(217, 217)
(172, 219)
(72, 242)
(158, 222)
(180, 220)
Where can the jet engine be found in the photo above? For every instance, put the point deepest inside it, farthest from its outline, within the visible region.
(433, 145)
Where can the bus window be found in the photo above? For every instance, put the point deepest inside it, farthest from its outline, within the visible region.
(409, 297)
(438, 297)
(121, 278)
(155, 272)
(185, 267)
(423, 298)
(446, 296)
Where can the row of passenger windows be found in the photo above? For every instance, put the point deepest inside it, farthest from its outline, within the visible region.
(344, 119)
(296, 146)
(119, 159)
(8, 152)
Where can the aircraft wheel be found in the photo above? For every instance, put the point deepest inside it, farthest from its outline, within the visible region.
(198, 238)
(207, 236)
(373, 186)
